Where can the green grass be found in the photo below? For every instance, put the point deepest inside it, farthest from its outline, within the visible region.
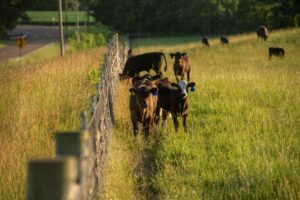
(244, 124)
(39, 55)
(4, 43)
(36, 100)
(47, 16)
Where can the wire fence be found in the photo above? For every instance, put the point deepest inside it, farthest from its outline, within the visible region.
(77, 171)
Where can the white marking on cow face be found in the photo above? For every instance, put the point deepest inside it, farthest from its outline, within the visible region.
(183, 84)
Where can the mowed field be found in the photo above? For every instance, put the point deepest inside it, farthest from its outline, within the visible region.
(47, 16)
(243, 139)
(37, 99)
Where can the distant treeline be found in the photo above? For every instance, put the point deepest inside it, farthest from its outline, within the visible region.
(196, 16)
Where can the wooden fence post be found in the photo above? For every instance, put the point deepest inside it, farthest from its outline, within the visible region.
(92, 109)
(52, 179)
(75, 144)
(83, 121)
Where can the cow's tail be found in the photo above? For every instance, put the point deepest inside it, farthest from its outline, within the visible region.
(166, 66)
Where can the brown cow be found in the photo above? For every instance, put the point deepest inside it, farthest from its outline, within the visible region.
(262, 33)
(143, 100)
(181, 65)
(143, 62)
(174, 100)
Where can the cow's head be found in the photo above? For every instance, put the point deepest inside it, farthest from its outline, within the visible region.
(177, 56)
(183, 87)
(143, 90)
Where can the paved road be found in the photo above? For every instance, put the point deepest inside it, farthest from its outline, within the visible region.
(38, 36)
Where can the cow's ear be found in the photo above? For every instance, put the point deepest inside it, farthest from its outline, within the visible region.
(153, 91)
(172, 55)
(174, 85)
(156, 77)
(191, 84)
(183, 54)
(132, 90)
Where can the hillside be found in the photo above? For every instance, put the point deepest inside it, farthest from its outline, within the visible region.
(243, 139)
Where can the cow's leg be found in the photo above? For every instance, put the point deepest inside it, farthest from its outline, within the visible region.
(184, 122)
(175, 121)
(135, 126)
(188, 76)
(165, 117)
(182, 75)
(156, 116)
(146, 124)
(176, 76)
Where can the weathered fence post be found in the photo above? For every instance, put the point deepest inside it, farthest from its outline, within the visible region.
(52, 179)
(74, 144)
(83, 120)
(98, 91)
(93, 107)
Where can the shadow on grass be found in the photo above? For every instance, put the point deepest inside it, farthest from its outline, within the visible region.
(148, 167)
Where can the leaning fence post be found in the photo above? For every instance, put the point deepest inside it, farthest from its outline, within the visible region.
(98, 92)
(92, 109)
(52, 179)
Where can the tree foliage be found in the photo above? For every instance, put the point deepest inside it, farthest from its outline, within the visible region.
(10, 12)
(195, 16)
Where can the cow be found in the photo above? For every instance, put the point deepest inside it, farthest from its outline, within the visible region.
(129, 53)
(276, 51)
(205, 41)
(224, 40)
(262, 33)
(174, 99)
(142, 103)
(181, 65)
(143, 62)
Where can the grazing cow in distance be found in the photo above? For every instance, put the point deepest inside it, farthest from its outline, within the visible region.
(205, 41)
(224, 40)
(276, 51)
(181, 65)
(142, 103)
(174, 99)
(143, 62)
(262, 33)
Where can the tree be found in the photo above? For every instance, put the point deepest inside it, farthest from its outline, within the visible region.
(10, 12)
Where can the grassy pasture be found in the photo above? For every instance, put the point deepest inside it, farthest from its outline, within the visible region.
(46, 16)
(244, 125)
(36, 100)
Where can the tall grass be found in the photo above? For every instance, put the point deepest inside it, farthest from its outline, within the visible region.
(244, 125)
(36, 100)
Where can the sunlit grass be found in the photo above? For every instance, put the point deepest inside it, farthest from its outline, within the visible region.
(36, 100)
(244, 124)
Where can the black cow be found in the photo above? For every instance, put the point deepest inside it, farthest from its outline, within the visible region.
(174, 100)
(276, 51)
(224, 40)
(262, 33)
(205, 41)
(143, 62)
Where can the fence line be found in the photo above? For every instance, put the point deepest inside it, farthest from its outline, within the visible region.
(76, 172)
